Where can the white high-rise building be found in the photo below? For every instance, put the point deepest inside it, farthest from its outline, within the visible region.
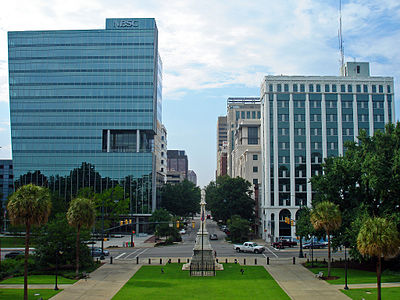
(306, 119)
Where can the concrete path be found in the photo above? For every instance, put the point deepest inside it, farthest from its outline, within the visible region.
(301, 284)
(368, 285)
(103, 283)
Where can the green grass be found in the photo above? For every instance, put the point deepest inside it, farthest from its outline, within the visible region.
(150, 283)
(356, 276)
(13, 242)
(371, 294)
(38, 279)
(12, 294)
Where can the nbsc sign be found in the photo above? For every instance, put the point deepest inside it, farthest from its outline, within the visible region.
(126, 23)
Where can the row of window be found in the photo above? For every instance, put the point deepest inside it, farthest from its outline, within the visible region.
(248, 115)
(9, 166)
(302, 145)
(298, 159)
(329, 118)
(327, 88)
(10, 176)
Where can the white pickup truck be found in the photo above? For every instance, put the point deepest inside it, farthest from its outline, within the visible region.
(249, 247)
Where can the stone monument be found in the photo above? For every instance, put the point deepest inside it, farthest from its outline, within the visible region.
(203, 262)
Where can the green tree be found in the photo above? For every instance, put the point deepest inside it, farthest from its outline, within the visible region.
(304, 227)
(30, 205)
(326, 215)
(181, 199)
(57, 236)
(228, 196)
(81, 214)
(239, 229)
(378, 237)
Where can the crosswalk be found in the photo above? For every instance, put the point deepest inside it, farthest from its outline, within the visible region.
(131, 255)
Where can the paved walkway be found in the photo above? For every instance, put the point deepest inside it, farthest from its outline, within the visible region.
(301, 284)
(367, 285)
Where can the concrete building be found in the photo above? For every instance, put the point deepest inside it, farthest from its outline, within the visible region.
(177, 162)
(85, 107)
(192, 176)
(306, 119)
(6, 179)
(222, 142)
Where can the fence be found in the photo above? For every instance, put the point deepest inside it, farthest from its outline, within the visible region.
(202, 269)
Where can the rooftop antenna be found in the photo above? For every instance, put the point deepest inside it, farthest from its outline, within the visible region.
(341, 39)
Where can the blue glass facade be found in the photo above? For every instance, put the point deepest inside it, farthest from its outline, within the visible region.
(6, 179)
(84, 108)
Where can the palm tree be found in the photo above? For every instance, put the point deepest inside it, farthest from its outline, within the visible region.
(378, 237)
(81, 213)
(326, 215)
(30, 205)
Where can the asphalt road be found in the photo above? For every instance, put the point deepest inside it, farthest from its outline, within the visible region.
(221, 246)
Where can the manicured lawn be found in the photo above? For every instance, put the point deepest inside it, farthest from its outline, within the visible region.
(150, 283)
(13, 242)
(370, 294)
(12, 294)
(356, 276)
(38, 279)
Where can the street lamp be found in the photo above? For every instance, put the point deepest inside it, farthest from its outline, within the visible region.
(345, 269)
(58, 252)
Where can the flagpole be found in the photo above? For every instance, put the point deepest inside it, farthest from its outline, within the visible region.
(202, 231)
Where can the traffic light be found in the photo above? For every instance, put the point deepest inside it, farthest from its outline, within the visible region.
(287, 220)
(130, 221)
(193, 224)
(121, 223)
(126, 221)
(177, 224)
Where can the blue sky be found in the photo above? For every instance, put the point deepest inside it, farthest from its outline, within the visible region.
(212, 50)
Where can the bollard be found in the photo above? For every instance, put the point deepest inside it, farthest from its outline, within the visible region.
(226, 260)
(255, 261)
(169, 261)
(137, 260)
(244, 261)
(179, 260)
(111, 259)
(324, 260)
(305, 255)
(188, 260)
(294, 260)
(308, 260)
(235, 261)
(268, 260)
(316, 259)
(149, 261)
(160, 261)
(216, 260)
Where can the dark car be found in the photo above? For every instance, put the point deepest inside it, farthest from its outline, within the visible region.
(213, 236)
(14, 254)
(97, 252)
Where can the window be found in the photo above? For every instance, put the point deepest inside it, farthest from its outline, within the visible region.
(255, 181)
(388, 88)
(349, 88)
(1, 166)
(358, 88)
(162, 169)
(162, 154)
(271, 88)
(243, 115)
(252, 135)
(311, 88)
(279, 86)
(121, 140)
(302, 88)
(255, 169)
(253, 114)
(255, 157)
(365, 87)
(380, 88)
(326, 88)
(334, 90)
(358, 69)
(294, 87)
(237, 115)
(286, 87)
(374, 88)
(258, 115)
(342, 88)
(248, 115)
(162, 161)
(318, 87)
(283, 131)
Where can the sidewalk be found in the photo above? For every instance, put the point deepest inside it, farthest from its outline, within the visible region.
(368, 285)
(301, 284)
(102, 284)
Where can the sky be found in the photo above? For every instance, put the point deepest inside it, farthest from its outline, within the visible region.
(215, 49)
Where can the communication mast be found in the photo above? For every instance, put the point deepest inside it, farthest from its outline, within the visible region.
(340, 35)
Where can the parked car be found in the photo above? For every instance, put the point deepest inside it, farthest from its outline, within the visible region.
(14, 254)
(182, 231)
(213, 236)
(315, 245)
(96, 251)
(281, 244)
(249, 247)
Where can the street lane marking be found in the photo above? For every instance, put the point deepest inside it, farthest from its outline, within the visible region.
(142, 252)
(120, 255)
(133, 252)
(271, 252)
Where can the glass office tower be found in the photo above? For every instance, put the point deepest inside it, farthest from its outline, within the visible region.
(306, 119)
(84, 108)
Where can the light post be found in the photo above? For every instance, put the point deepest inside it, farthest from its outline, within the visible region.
(58, 252)
(301, 255)
(345, 269)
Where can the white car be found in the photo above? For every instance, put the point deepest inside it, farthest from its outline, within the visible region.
(182, 231)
